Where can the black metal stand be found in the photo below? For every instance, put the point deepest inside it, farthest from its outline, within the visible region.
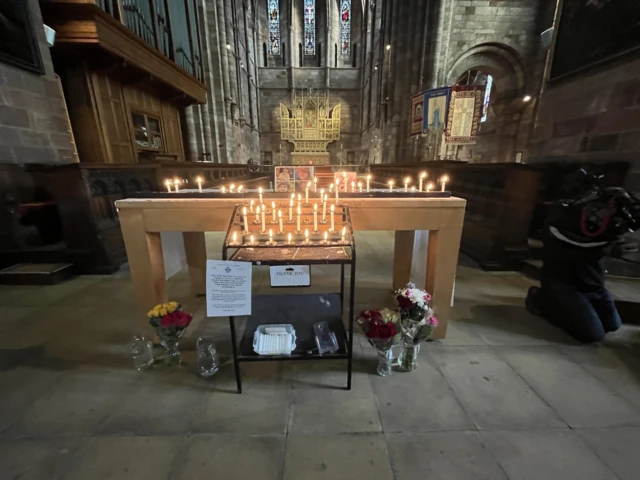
(302, 310)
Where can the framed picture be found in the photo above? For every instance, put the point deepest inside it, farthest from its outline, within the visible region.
(592, 31)
(18, 41)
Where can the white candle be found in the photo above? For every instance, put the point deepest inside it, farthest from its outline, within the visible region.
(391, 185)
(232, 187)
(291, 210)
(423, 175)
(368, 180)
(333, 225)
(306, 235)
(429, 187)
(324, 208)
(289, 238)
(270, 236)
(299, 199)
(168, 184)
(444, 181)
(344, 230)
(273, 212)
(234, 238)
(246, 219)
(199, 181)
(406, 184)
(360, 187)
(315, 184)
(260, 194)
(306, 193)
(280, 220)
(315, 217)
(337, 188)
(298, 224)
(258, 214)
(251, 240)
(293, 196)
(331, 188)
(176, 183)
(251, 206)
(326, 237)
(321, 194)
(353, 186)
(263, 226)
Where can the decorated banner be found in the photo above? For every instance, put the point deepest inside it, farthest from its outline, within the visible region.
(465, 110)
(417, 114)
(436, 108)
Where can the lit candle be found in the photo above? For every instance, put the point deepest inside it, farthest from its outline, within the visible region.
(306, 235)
(413, 188)
(391, 185)
(444, 179)
(353, 186)
(258, 214)
(344, 230)
(273, 212)
(337, 185)
(240, 189)
(360, 187)
(321, 194)
(331, 188)
(324, 208)
(306, 193)
(168, 184)
(299, 199)
(423, 175)
(199, 182)
(368, 180)
(260, 193)
(224, 190)
(270, 236)
(429, 187)
(344, 175)
(176, 183)
(333, 225)
(315, 217)
(262, 213)
(289, 238)
(251, 240)
(326, 237)
(280, 220)
(293, 196)
(406, 184)
(298, 224)
(246, 219)
(315, 184)
(251, 206)
(232, 187)
(234, 238)
(291, 210)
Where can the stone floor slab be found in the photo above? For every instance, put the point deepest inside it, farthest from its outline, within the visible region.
(37, 459)
(617, 447)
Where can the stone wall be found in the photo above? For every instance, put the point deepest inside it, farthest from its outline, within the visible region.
(33, 122)
(592, 115)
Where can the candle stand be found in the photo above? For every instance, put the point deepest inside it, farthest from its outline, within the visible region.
(300, 310)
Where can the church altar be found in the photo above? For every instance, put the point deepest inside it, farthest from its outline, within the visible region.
(144, 219)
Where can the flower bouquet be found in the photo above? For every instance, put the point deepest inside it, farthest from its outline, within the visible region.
(416, 321)
(382, 332)
(169, 321)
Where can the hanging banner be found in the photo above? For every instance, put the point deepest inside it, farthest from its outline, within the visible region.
(436, 107)
(465, 110)
(417, 114)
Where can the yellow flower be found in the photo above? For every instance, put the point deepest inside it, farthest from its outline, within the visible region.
(163, 311)
(151, 313)
(174, 304)
(171, 308)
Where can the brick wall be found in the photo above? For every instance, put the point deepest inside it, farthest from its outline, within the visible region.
(33, 123)
(592, 115)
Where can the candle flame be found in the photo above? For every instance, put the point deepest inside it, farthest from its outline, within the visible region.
(244, 211)
(289, 237)
(168, 182)
(232, 186)
(273, 204)
(299, 211)
(344, 174)
(333, 208)
(444, 178)
(368, 177)
(291, 202)
(390, 182)
(198, 180)
(251, 202)
(234, 237)
(240, 188)
(315, 179)
(429, 187)
(315, 207)
(359, 184)
(306, 233)
(251, 239)
(326, 235)
(279, 213)
(413, 189)
(407, 180)
(176, 181)
(423, 175)
(326, 197)
(260, 190)
(344, 230)
(258, 210)
(308, 184)
(270, 233)
(223, 189)
(337, 181)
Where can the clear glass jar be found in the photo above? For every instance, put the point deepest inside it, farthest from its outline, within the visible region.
(208, 361)
(141, 353)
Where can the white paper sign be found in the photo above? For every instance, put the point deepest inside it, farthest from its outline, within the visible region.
(228, 288)
(290, 276)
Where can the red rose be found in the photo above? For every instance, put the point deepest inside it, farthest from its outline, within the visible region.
(404, 302)
(176, 319)
(427, 298)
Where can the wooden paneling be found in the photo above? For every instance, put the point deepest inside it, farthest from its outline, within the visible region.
(172, 131)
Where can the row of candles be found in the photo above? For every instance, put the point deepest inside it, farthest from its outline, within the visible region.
(276, 216)
(251, 240)
(232, 188)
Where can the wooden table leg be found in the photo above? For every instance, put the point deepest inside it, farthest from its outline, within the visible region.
(144, 252)
(442, 263)
(196, 250)
(402, 257)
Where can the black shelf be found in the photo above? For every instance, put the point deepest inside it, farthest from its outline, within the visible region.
(293, 255)
(301, 311)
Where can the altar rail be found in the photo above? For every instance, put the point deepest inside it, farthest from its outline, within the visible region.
(506, 202)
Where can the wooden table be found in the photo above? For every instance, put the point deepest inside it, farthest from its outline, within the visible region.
(142, 220)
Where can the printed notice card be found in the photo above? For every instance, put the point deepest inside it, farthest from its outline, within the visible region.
(228, 288)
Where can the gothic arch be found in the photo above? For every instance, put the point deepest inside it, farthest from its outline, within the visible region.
(498, 60)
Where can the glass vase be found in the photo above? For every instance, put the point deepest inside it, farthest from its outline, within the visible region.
(409, 357)
(141, 353)
(385, 360)
(172, 355)
(208, 361)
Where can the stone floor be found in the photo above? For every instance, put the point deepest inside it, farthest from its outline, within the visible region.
(504, 396)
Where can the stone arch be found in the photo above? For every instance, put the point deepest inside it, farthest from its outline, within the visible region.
(498, 60)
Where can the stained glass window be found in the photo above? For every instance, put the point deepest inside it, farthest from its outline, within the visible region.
(345, 27)
(309, 27)
(487, 99)
(274, 27)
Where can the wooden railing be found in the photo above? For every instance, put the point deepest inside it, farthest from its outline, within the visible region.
(171, 26)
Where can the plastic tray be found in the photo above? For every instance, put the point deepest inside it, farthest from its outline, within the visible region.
(280, 343)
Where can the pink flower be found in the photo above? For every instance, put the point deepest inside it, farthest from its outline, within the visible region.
(433, 321)
(407, 293)
(427, 297)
